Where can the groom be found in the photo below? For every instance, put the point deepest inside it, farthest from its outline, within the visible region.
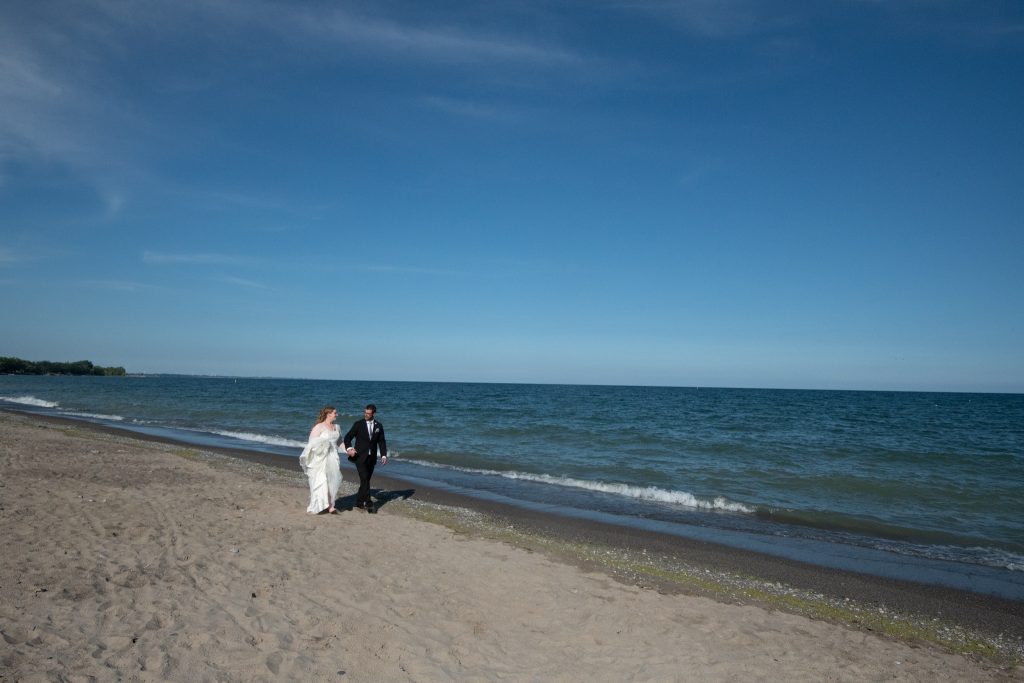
(369, 439)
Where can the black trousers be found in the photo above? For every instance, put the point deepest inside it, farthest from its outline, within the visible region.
(364, 466)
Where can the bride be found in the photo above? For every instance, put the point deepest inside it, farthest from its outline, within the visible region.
(319, 460)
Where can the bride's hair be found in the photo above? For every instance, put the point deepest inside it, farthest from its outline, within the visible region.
(323, 414)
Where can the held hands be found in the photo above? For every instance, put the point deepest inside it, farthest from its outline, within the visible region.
(352, 453)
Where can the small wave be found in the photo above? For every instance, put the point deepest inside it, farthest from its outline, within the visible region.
(30, 401)
(96, 416)
(983, 555)
(261, 438)
(649, 493)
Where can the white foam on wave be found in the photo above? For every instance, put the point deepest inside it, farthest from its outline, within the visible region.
(40, 403)
(648, 493)
(261, 438)
(30, 401)
(96, 416)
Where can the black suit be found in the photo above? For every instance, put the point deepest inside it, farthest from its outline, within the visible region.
(367, 446)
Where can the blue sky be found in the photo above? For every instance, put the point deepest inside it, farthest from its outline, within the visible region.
(734, 193)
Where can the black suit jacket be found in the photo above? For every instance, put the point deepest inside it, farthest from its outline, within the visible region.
(367, 445)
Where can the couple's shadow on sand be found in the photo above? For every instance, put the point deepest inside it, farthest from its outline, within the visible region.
(380, 499)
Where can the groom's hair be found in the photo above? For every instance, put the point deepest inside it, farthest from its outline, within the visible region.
(371, 407)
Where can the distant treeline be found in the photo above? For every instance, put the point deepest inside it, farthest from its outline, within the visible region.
(17, 366)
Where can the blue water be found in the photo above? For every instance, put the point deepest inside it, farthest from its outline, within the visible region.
(924, 486)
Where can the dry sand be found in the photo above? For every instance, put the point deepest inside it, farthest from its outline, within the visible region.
(125, 559)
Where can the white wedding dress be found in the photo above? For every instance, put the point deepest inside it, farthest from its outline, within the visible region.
(319, 460)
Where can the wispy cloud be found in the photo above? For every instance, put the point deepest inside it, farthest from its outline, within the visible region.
(113, 202)
(422, 37)
(63, 69)
(31, 119)
(396, 270)
(977, 30)
(243, 283)
(959, 21)
(61, 107)
(202, 259)
(699, 171)
(121, 285)
(474, 110)
(716, 18)
(35, 252)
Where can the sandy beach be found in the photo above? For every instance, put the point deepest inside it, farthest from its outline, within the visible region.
(132, 559)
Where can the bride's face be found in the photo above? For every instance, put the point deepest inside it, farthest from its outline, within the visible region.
(331, 417)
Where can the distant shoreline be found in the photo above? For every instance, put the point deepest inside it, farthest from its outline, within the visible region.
(10, 365)
(555, 384)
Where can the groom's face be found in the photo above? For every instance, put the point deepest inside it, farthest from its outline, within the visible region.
(367, 415)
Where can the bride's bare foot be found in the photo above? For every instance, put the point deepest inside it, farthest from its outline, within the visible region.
(331, 510)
